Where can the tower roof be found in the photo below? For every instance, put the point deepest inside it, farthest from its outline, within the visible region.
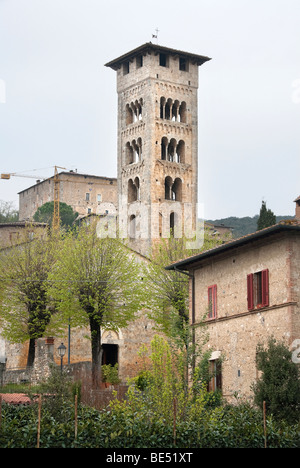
(149, 47)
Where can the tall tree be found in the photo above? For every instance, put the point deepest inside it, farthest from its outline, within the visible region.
(8, 213)
(279, 383)
(167, 296)
(24, 308)
(266, 217)
(168, 291)
(44, 214)
(97, 279)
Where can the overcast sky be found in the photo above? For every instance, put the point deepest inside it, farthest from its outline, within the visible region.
(58, 102)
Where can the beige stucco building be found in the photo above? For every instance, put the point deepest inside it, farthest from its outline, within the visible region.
(83, 192)
(247, 290)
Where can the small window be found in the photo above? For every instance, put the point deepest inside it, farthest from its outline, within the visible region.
(258, 289)
(99, 198)
(139, 61)
(215, 375)
(125, 68)
(163, 60)
(212, 301)
(183, 64)
(87, 197)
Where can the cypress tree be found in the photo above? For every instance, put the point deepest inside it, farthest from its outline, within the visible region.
(266, 217)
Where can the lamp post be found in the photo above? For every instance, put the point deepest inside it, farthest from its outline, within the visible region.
(61, 352)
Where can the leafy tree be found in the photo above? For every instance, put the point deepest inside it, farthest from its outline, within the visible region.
(8, 213)
(279, 385)
(167, 298)
(97, 279)
(266, 217)
(24, 307)
(44, 214)
(167, 292)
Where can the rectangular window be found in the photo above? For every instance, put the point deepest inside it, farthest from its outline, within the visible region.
(183, 64)
(139, 61)
(163, 60)
(258, 289)
(212, 301)
(125, 68)
(99, 198)
(215, 375)
(87, 197)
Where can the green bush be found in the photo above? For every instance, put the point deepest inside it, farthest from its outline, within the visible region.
(119, 426)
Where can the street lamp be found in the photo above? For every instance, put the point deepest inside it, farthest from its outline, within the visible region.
(61, 352)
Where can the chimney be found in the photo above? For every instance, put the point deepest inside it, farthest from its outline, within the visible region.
(297, 214)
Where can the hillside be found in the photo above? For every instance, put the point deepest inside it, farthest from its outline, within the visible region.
(243, 226)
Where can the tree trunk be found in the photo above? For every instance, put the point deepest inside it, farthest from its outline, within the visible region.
(31, 353)
(96, 352)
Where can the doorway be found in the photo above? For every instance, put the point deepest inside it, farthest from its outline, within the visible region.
(110, 354)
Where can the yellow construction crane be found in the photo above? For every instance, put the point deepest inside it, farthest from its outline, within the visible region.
(56, 219)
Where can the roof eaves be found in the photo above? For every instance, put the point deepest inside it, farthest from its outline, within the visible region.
(184, 264)
(148, 47)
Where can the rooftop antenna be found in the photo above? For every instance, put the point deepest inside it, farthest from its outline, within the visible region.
(155, 36)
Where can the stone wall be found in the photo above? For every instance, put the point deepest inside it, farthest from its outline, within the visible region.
(84, 193)
(236, 331)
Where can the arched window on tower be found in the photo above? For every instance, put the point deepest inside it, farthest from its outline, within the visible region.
(168, 188)
(128, 153)
(172, 150)
(180, 152)
(177, 190)
(129, 115)
(164, 145)
(182, 112)
(133, 190)
(172, 223)
(132, 227)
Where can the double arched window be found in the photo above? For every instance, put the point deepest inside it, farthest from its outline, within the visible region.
(133, 151)
(173, 189)
(133, 190)
(172, 110)
(134, 111)
(172, 150)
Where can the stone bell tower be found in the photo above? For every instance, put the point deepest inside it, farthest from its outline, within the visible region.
(157, 143)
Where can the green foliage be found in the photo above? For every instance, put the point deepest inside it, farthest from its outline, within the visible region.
(110, 374)
(44, 214)
(91, 284)
(167, 292)
(120, 426)
(8, 214)
(279, 385)
(24, 305)
(157, 412)
(266, 217)
(245, 225)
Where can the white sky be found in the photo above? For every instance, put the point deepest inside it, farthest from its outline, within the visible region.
(58, 103)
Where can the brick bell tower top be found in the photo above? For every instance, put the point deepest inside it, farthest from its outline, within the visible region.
(157, 142)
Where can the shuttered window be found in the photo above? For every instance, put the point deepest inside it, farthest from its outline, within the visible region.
(258, 289)
(212, 301)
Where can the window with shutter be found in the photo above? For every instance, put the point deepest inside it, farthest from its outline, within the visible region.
(250, 291)
(212, 301)
(258, 289)
(265, 287)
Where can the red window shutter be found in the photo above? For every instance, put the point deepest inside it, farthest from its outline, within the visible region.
(215, 301)
(250, 297)
(265, 287)
(212, 301)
